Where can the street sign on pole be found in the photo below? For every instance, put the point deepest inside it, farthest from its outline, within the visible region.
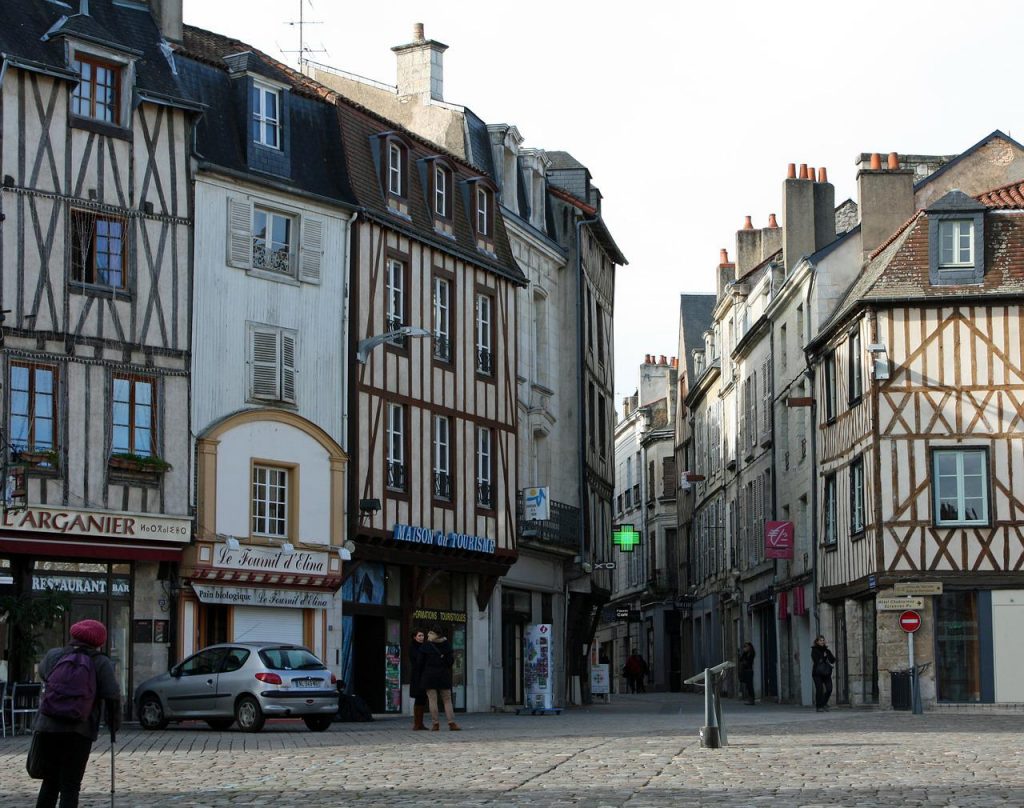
(918, 588)
(910, 621)
(898, 604)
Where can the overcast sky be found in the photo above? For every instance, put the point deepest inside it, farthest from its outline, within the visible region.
(686, 113)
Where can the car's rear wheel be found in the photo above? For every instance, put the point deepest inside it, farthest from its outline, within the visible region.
(220, 724)
(317, 723)
(151, 712)
(249, 715)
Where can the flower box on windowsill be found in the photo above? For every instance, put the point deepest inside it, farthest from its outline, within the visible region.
(45, 461)
(139, 464)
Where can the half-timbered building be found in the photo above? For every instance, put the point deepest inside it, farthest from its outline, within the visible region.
(96, 298)
(556, 304)
(923, 452)
(269, 360)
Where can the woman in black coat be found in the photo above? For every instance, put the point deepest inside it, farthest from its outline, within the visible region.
(416, 691)
(822, 660)
(746, 671)
(437, 657)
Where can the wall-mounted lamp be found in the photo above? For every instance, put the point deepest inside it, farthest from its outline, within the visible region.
(369, 506)
(232, 543)
(346, 550)
(879, 361)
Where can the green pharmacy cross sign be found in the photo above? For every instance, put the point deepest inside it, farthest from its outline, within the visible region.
(625, 538)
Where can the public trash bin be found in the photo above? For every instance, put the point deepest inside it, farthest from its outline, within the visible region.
(900, 681)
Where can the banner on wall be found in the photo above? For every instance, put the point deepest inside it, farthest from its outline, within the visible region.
(538, 664)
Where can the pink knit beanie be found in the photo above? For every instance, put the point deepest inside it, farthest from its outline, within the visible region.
(90, 632)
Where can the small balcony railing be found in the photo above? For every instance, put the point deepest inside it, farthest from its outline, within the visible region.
(561, 529)
(396, 475)
(484, 361)
(484, 494)
(442, 485)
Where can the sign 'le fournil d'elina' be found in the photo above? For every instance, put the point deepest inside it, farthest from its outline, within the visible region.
(257, 559)
(438, 538)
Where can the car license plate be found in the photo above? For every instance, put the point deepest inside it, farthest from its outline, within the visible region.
(307, 682)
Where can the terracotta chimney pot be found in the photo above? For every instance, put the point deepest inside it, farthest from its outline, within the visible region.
(894, 161)
(876, 162)
(772, 223)
(747, 224)
(417, 32)
(791, 172)
(811, 173)
(822, 175)
(662, 360)
(803, 171)
(723, 256)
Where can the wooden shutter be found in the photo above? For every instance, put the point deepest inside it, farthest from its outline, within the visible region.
(311, 251)
(239, 232)
(263, 363)
(287, 367)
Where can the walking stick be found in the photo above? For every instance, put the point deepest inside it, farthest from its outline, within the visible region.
(113, 738)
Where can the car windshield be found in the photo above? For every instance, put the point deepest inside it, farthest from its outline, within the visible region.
(290, 659)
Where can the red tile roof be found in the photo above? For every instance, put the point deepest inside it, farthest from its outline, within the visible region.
(1006, 197)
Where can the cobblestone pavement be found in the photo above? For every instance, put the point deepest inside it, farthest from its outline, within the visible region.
(639, 751)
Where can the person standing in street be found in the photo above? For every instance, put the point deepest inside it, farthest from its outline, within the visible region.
(746, 672)
(416, 691)
(635, 671)
(822, 660)
(436, 679)
(80, 687)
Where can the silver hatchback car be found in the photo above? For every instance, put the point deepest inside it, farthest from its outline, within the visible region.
(247, 682)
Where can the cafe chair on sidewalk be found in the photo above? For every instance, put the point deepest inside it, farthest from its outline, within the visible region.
(25, 703)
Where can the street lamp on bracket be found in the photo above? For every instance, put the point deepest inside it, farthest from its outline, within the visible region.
(364, 346)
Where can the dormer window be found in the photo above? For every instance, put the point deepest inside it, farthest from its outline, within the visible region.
(484, 214)
(396, 169)
(266, 115)
(956, 243)
(442, 191)
(98, 93)
(956, 240)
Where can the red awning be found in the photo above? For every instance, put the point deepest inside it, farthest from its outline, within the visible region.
(110, 551)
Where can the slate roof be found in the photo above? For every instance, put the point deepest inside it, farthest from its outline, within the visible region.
(562, 160)
(317, 157)
(350, 136)
(695, 316)
(479, 142)
(124, 26)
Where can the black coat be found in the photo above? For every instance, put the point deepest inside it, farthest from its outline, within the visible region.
(416, 660)
(819, 654)
(437, 665)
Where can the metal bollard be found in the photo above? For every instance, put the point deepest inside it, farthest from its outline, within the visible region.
(709, 734)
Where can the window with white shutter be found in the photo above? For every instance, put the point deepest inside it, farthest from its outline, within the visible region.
(239, 232)
(272, 363)
(311, 250)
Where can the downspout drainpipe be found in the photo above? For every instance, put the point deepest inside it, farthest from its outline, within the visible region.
(582, 443)
(775, 502)
(814, 455)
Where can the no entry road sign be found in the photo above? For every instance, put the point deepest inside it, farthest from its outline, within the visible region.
(910, 621)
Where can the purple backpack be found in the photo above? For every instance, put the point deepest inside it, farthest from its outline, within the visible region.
(70, 688)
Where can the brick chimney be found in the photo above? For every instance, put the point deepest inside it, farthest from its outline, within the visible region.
(421, 66)
(167, 14)
(808, 214)
(726, 272)
(885, 199)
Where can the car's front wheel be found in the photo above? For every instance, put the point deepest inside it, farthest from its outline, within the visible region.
(317, 723)
(151, 712)
(249, 714)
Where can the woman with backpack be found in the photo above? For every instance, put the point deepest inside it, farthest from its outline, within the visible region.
(79, 682)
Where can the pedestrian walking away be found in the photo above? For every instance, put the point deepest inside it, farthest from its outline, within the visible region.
(822, 660)
(746, 672)
(635, 670)
(416, 691)
(436, 679)
(80, 690)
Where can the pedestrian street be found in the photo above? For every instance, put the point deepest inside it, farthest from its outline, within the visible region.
(638, 751)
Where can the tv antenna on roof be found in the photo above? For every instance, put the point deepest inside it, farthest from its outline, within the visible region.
(302, 22)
